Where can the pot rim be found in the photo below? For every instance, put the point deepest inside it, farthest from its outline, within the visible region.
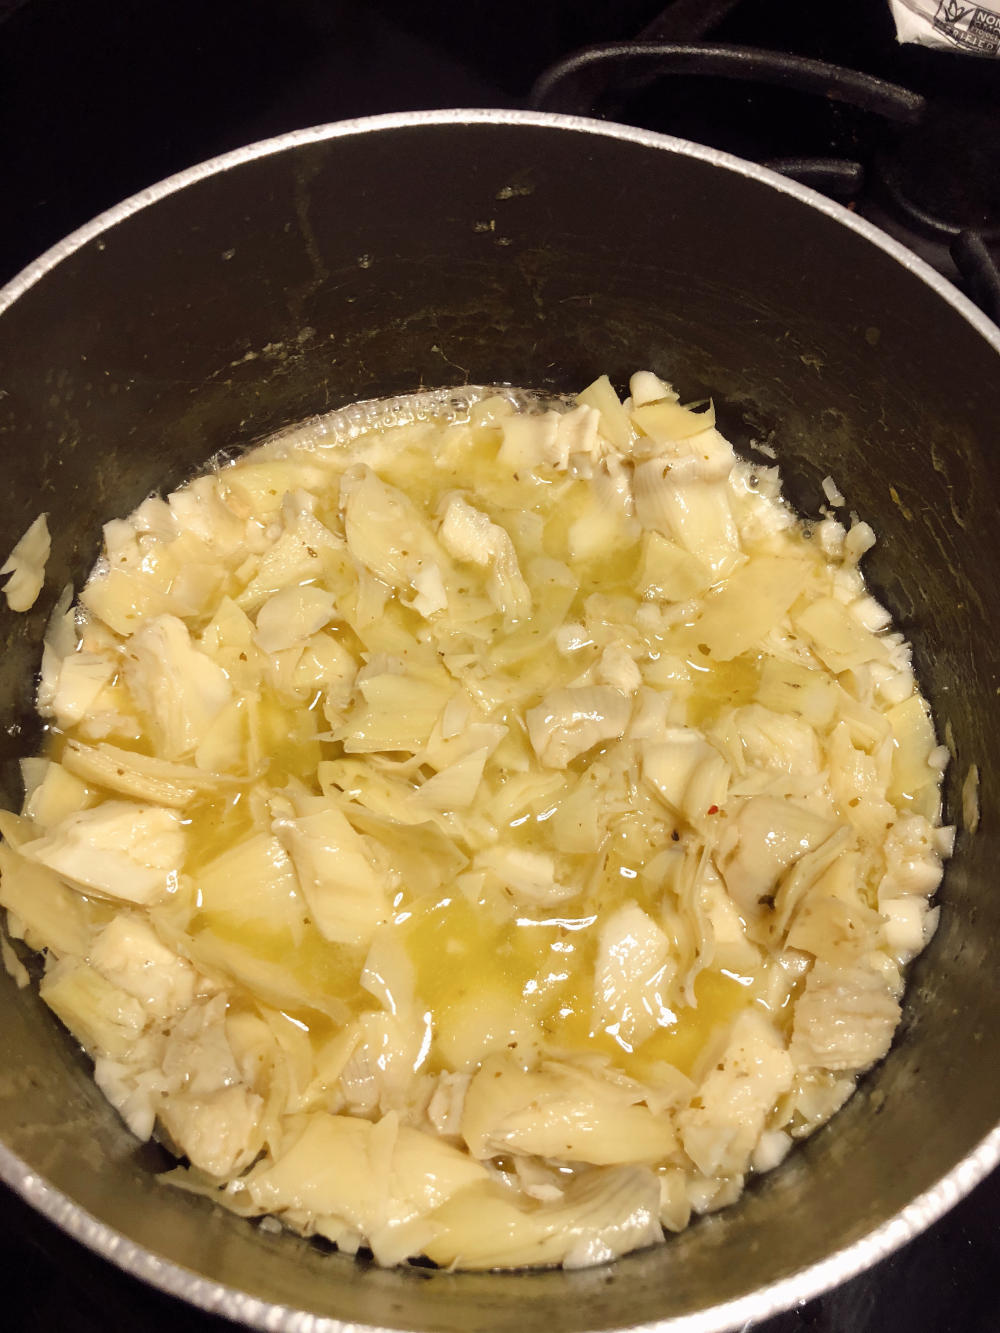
(217, 1298)
(236, 157)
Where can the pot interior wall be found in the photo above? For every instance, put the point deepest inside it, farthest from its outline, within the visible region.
(433, 254)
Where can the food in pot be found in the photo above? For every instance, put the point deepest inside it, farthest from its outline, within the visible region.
(25, 566)
(477, 831)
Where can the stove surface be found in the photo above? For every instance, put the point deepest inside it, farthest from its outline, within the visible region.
(99, 98)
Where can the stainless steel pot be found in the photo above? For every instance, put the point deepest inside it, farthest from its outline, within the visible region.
(372, 257)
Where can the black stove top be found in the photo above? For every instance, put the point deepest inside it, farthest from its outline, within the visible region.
(99, 98)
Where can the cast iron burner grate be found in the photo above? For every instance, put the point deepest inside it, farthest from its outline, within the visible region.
(925, 168)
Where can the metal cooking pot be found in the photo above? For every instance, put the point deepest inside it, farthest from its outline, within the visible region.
(373, 257)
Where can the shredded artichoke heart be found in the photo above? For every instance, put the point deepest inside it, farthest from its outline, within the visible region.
(474, 831)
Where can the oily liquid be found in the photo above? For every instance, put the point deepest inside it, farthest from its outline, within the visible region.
(528, 979)
(503, 981)
(490, 977)
(537, 973)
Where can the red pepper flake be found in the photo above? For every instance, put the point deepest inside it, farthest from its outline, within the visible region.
(713, 809)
